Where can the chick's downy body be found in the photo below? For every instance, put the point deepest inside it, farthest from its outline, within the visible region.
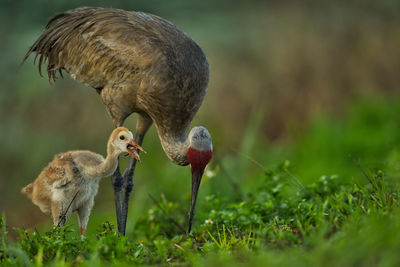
(71, 180)
(62, 181)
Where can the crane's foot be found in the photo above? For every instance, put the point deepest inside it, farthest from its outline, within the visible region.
(128, 183)
(117, 182)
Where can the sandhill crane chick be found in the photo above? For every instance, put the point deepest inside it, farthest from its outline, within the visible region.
(70, 182)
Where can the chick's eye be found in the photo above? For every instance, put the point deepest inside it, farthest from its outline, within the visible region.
(122, 137)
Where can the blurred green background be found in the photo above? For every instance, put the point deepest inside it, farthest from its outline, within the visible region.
(316, 83)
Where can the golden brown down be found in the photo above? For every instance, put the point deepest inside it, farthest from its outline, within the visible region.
(70, 181)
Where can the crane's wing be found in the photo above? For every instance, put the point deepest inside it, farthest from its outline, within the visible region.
(99, 46)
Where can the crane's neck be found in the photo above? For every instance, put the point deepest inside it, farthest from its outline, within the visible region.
(108, 166)
(176, 146)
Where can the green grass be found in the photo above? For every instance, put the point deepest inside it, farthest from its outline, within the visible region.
(324, 223)
(273, 213)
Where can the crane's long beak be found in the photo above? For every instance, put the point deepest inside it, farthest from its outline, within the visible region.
(132, 147)
(196, 179)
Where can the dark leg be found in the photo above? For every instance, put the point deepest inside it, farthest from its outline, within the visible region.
(117, 181)
(128, 184)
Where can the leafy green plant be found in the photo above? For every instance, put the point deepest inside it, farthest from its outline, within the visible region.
(266, 218)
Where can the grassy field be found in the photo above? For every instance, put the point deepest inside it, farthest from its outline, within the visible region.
(329, 197)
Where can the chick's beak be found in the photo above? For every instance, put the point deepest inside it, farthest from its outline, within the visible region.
(132, 148)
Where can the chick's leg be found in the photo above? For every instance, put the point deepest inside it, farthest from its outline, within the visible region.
(60, 214)
(84, 214)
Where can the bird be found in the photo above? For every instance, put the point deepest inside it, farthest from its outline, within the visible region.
(70, 181)
(138, 63)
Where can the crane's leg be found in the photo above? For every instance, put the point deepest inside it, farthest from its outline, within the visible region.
(117, 182)
(142, 126)
(128, 183)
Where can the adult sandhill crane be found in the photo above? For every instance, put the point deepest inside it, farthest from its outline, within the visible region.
(138, 63)
(70, 182)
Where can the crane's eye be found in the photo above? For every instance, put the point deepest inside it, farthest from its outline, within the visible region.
(122, 137)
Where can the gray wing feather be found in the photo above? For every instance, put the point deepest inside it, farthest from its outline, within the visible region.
(95, 45)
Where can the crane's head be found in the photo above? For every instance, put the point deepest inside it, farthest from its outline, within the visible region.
(199, 155)
(122, 141)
